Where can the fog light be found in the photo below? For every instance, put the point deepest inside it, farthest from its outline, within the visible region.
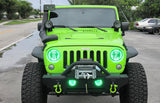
(98, 82)
(72, 83)
(51, 67)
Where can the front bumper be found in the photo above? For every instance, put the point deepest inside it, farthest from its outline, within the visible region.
(84, 86)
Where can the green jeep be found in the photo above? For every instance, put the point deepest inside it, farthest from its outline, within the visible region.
(83, 53)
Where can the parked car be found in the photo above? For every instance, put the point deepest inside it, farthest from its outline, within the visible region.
(155, 29)
(31, 17)
(141, 25)
(36, 16)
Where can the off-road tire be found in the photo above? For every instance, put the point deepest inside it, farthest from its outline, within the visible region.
(32, 90)
(136, 91)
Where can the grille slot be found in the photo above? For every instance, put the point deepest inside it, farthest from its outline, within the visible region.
(85, 54)
(78, 55)
(71, 56)
(64, 59)
(105, 59)
(92, 55)
(98, 56)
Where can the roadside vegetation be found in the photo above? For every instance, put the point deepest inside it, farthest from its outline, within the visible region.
(133, 9)
(16, 9)
(13, 22)
(2, 21)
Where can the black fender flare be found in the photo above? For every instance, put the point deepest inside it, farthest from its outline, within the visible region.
(38, 52)
(131, 52)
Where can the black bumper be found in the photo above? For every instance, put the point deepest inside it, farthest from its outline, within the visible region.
(85, 86)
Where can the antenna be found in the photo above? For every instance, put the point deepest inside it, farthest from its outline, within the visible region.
(124, 14)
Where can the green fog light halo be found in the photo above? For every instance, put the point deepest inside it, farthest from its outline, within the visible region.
(116, 55)
(98, 82)
(53, 55)
(72, 83)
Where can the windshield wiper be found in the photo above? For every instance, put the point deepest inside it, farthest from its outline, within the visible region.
(63, 26)
(93, 27)
(101, 29)
(71, 28)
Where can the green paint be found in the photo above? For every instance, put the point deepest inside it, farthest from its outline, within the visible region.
(86, 38)
(49, 12)
(114, 89)
(56, 89)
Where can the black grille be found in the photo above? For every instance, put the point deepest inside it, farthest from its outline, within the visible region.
(70, 56)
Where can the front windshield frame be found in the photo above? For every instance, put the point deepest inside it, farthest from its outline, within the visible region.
(78, 26)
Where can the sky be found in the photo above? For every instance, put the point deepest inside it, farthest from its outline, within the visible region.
(36, 3)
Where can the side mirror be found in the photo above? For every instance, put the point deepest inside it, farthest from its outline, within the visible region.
(125, 26)
(39, 26)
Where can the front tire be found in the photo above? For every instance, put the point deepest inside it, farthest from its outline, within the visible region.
(156, 31)
(136, 91)
(33, 90)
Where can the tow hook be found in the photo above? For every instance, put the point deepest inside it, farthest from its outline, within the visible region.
(58, 89)
(113, 89)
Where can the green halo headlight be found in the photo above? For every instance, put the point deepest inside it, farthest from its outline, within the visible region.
(116, 55)
(53, 55)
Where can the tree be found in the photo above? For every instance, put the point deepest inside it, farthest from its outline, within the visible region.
(36, 12)
(11, 8)
(2, 8)
(150, 8)
(24, 8)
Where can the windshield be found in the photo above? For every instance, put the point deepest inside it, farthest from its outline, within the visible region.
(144, 20)
(79, 17)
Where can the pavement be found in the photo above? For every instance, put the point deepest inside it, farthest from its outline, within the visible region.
(13, 60)
(10, 34)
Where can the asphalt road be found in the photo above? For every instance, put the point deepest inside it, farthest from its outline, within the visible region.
(12, 33)
(13, 60)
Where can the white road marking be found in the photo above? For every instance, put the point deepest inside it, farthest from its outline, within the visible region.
(15, 42)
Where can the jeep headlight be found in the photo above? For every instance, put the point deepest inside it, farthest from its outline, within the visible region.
(116, 55)
(53, 55)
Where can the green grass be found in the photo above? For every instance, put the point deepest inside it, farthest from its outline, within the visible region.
(2, 21)
(13, 22)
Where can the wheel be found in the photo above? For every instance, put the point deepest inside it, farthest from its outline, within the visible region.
(32, 90)
(156, 31)
(136, 91)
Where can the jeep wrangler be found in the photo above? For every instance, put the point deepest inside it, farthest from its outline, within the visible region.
(83, 53)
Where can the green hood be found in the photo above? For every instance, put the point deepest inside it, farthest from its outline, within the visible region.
(88, 37)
